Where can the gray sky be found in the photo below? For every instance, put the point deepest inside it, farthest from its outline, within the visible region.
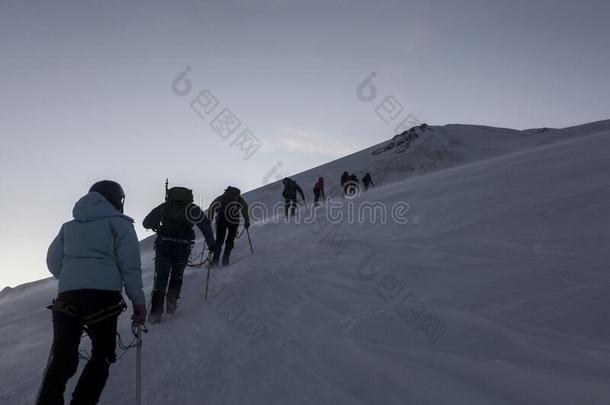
(86, 90)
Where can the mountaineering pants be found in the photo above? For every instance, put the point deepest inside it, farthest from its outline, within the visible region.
(171, 259)
(224, 229)
(317, 194)
(96, 312)
(290, 206)
(344, 187)
(352, 188)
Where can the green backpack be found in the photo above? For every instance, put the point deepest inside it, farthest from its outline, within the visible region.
(175, 223)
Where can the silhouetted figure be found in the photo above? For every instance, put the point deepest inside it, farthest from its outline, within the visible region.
(290, 196)
(227, 208)
(367, 181)
(318, 191)
(344, 182)
(352, 186)
(173, 222)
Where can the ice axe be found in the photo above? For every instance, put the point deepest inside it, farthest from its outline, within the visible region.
(137, 330)
(249, 240)
(207, 280)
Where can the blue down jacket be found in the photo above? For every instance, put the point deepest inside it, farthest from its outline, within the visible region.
(98, 249)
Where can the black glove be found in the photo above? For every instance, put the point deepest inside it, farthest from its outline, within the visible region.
(247, 224)
(139, 314)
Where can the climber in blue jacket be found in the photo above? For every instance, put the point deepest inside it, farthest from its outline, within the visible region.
(94, 257)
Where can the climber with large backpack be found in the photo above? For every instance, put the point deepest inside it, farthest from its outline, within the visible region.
(290, 196)
(345, 178)
(352, 187)
(173, 221)
(318, 191)
(227, 208)
(94, 257)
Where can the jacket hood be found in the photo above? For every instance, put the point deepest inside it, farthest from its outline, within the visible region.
(94, 206)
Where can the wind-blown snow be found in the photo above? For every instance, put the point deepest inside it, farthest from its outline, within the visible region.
(498, 296)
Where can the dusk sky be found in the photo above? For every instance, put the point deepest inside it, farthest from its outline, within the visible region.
(87, 91)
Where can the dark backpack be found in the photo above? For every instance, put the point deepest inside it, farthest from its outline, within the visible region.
(229, 207)
(290, 189)
(175, 223)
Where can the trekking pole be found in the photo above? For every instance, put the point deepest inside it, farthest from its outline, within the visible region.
(44, 374)
(207, 280)
(49, 359)
(138, 364)
(249, 240)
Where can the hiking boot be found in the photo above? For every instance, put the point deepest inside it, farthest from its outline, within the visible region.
(225, 260)
(156, 302)
(170, 306)
(154, 318)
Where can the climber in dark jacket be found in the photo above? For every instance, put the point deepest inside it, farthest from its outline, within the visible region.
(227, 208)
(367, 181)
(352, 187)
(173, 221)
(344, 182)
(290, 196)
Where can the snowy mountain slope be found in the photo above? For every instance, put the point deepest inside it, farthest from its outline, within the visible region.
(435, 148)
(497, 296)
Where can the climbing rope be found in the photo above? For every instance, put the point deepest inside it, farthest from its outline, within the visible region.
(241, 233)
(200, 259)
(85, 355)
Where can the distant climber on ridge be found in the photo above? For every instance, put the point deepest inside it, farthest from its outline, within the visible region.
(367, 181)
(290, 196)
(344, 182)
(318, 191)
(352, 186)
